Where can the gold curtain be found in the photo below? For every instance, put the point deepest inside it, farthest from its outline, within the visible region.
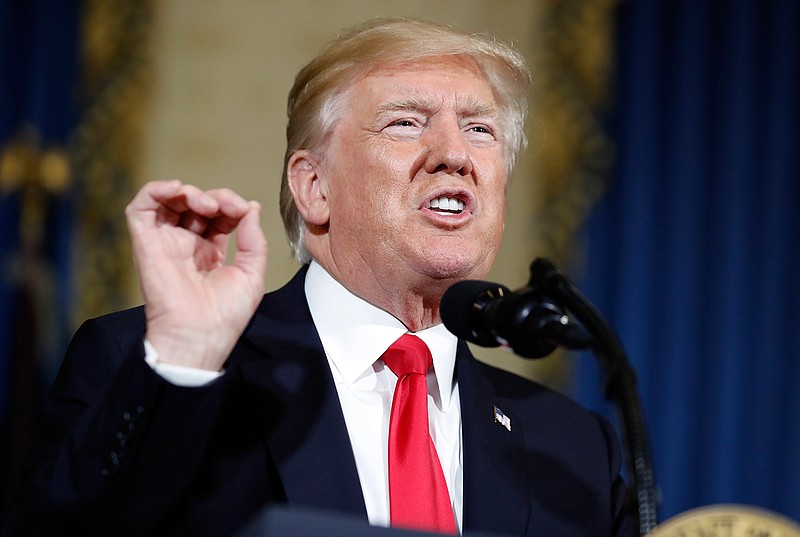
(572, 60)
(106, 149)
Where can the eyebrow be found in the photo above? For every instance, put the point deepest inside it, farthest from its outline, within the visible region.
(474, 107)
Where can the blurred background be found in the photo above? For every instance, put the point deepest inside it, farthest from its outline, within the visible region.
(661, 175)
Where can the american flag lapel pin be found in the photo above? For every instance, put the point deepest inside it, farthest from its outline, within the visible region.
(501, 418)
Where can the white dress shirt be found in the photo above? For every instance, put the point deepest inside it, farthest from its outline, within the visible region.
(355, 334)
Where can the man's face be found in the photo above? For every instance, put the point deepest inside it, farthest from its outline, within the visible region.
(414, 175)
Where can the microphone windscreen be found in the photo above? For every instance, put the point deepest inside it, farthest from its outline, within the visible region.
(462, 309)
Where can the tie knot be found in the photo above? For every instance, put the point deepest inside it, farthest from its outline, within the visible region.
(407, 355)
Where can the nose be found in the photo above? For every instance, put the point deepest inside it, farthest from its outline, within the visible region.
(447, 150)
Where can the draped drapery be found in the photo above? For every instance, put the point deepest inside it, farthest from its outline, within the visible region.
(694, 251)
(72, 81)
(38, 71)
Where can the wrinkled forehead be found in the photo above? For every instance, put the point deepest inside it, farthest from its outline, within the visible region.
(424, 85)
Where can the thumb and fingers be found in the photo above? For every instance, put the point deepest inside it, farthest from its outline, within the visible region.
(251, 244)
(196, 305)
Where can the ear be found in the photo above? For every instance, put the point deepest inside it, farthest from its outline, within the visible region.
(308, 189)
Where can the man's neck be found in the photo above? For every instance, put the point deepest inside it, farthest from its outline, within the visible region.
(415, 303)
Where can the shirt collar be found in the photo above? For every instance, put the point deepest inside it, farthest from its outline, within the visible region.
(355, 333)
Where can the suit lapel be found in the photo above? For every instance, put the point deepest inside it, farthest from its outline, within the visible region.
(301, 419)
(495, 497)
(290, 385)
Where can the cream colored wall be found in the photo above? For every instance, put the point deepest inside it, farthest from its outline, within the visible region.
(222, 72)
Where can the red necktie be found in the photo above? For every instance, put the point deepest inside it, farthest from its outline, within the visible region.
(418, 497)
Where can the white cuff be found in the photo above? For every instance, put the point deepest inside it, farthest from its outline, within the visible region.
(189, 377)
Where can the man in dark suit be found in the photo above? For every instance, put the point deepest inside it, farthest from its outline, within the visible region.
(189, 415)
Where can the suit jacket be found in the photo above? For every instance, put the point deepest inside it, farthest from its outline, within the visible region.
(124, 452)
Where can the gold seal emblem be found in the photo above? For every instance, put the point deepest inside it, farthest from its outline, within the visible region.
(727, 521)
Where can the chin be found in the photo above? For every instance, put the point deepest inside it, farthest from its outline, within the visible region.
(457, 266)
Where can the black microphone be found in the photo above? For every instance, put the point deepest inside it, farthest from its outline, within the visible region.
(526, 320)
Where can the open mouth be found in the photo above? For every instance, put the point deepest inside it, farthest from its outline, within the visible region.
(446, 205)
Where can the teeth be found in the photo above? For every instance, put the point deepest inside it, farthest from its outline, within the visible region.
(446, 204)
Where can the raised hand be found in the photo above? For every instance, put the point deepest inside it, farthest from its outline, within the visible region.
(196, 305)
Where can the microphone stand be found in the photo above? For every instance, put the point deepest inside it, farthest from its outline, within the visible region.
(619, 378)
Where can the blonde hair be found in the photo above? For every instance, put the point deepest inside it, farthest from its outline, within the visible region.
(313, 100)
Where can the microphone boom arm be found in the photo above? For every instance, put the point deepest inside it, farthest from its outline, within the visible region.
(619, 378)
